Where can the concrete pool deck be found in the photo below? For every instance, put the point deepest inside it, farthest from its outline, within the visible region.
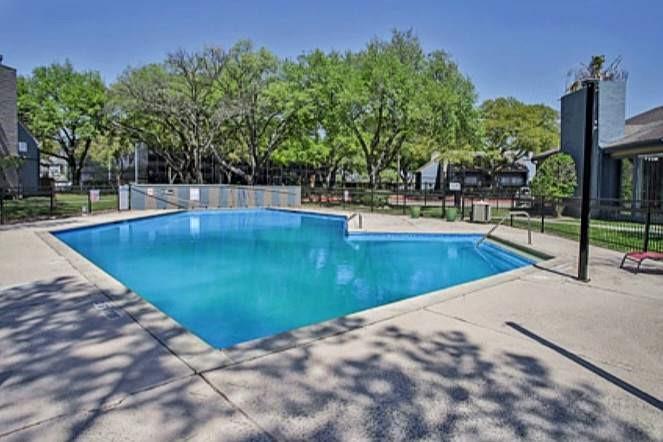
(535, 355)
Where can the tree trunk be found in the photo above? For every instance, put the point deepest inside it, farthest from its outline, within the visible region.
(74, 173)
(330, 177)
(77, 176)
(372, 176)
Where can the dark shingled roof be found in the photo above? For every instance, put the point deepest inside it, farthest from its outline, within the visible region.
(647, 117)
(643, 131)
(646, 134)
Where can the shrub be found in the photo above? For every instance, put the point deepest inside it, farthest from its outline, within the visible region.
(556, 178)
(377, 200)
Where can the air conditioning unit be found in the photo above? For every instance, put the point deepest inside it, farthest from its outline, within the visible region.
(481, 212)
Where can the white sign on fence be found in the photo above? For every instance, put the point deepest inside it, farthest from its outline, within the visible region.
(94, 195)
(194, 194)
(454, 186)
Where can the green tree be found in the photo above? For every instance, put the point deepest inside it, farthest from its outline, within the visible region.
(132, 100)
(64, 109)
(449, 125)
(176, 108)
(556, 178)
(512, 129)
(379, 99)
(114, 149)
(402, 104)
(324, 140)
(268, 109)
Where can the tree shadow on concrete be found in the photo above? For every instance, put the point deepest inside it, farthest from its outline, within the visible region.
(69, 358)
(71, 365)
(396, 384)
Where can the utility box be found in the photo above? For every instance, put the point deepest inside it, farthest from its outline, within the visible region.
(481, 212)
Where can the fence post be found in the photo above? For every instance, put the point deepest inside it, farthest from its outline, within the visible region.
(89, 203)
(462, 208)
(645, 245)
(404, 199)
(444, 203)
(372, 197)
(513, 205)
(52, 202)
(397, 199)
(2, 206)
(543, 215)
(425, 194)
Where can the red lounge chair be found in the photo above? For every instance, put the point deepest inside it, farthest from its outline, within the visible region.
(639, 257)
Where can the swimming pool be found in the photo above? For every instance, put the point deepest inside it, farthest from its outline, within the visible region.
(234, 276)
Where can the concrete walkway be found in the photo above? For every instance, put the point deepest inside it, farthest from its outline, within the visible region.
(537, 356)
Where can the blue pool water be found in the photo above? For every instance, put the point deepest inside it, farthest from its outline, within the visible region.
(233, 276)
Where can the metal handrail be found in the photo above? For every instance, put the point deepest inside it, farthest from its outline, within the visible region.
(510, 215)
(359, 217)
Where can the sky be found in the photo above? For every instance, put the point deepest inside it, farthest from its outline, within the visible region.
(513, 48)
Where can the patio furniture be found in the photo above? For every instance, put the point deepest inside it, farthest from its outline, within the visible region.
(639, 257)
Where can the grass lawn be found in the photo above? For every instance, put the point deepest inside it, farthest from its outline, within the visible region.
(66, 204)
(604, 234)
(621, 236)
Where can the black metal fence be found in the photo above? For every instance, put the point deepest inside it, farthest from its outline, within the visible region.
(615, 224)
(49, 202)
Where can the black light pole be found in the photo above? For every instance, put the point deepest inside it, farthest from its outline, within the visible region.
(585, 202)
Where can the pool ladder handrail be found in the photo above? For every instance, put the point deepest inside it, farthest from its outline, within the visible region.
(359, 217)
(511, 214)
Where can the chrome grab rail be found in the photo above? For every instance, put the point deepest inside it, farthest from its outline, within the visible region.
(510, 215)
(359, 217)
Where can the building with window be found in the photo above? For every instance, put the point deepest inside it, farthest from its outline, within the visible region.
(640, 150)
(437, 174)
(16, 140)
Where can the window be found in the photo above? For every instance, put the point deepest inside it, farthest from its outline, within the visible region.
(55, 170)
(512, 180)
(471, 180)
(22, 147)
